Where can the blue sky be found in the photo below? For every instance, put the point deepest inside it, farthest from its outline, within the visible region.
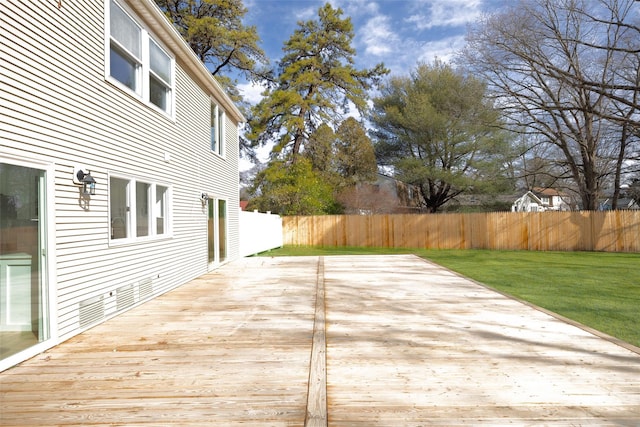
(399, 33)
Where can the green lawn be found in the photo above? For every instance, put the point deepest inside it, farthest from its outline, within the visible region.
(600, 290)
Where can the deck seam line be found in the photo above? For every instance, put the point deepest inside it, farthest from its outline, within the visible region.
(316, 411)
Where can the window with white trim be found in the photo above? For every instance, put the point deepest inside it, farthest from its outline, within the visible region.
(160, 210)
(138, 209)
(217, 129)
(143, 217)
(137, 62)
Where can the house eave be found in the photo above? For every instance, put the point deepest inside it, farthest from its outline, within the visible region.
(162, 28)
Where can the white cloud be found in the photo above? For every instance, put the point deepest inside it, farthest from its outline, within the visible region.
(418, 51)
(306, 14)
(262, 154)
(443, 49)
(356, 8)
(251, 92)
(378, 37)
(445, 13)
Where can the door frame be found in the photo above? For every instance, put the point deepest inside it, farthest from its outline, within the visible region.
(47, 257)
(213, 231)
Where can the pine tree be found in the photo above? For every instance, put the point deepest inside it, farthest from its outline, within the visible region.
(355, 156)
(214, 30)
(316, 82)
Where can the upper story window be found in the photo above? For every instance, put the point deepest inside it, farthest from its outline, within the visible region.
(125, 49)
(217, 129)
(137, 62)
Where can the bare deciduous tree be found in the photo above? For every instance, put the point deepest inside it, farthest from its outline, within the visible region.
(567, 71)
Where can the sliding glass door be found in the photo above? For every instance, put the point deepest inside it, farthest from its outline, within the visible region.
(222, 230)
(217, 231)
(24, 312)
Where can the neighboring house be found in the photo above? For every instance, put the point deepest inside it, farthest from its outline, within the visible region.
(118, 167)
(540, 200)
(386, 196)
(480, 203)
(623, 204)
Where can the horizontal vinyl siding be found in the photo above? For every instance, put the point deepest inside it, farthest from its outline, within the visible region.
(230, 168)
(56, 106)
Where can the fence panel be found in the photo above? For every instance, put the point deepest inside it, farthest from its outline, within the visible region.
(610, 231)
(259, 232)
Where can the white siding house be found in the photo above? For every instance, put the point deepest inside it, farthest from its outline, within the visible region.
(105, 91)
(540, 200)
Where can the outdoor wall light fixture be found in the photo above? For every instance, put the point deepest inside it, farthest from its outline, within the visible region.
(87, 181)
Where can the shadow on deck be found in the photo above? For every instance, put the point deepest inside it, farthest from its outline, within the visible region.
(406, 343)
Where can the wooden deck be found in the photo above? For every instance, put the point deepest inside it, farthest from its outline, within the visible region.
(395, 341)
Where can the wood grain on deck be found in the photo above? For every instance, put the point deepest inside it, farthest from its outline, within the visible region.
(229, 348)
(406, 343)
(411, 344)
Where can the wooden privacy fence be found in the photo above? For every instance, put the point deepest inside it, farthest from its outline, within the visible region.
(611, 231)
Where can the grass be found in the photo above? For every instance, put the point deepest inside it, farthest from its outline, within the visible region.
(597, 289)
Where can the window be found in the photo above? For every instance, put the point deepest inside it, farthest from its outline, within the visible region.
(221, 130)
(125, 48)
(217, 129)
(137, 62)
(142, 209)
(119, 207)
(159, 76)
(138, 209)
(160, 209)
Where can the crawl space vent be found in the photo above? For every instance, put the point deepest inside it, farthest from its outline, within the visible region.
(146, 288)
(124, 297)
(91, 311)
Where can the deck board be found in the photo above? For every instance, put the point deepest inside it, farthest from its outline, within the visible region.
(230, 348)
(416, 345)
(406, 343)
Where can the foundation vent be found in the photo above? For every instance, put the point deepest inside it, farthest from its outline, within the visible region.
(91, 311)
(124, 297)
(145, 288)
